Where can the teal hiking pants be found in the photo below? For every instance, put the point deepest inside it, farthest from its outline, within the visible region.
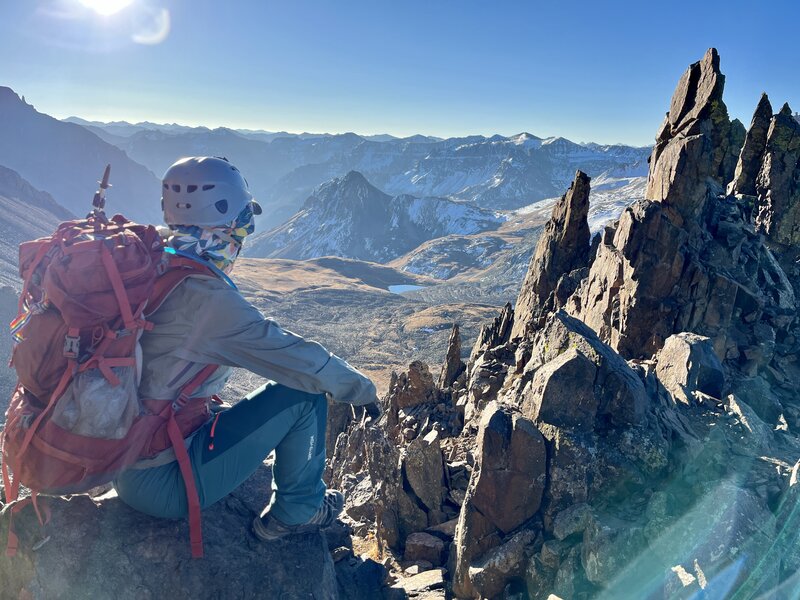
(274, 417)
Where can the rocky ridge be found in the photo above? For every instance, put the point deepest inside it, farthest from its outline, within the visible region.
(630, 429)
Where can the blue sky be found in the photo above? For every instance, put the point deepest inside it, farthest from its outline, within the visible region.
(590, 71)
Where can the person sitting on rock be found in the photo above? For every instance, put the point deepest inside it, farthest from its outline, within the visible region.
(206, 321)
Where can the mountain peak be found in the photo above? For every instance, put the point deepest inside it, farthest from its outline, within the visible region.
(354, 178)
(524, 137)
(9, 97)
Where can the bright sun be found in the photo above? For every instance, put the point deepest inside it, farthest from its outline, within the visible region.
(106, 7)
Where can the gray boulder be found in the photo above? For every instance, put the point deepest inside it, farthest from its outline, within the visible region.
(563, 393)
(492, 571)
(423, 546)
(571, 377)
(423, 467)
(688, 363)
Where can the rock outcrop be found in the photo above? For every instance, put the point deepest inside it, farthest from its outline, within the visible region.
(504, 492)
(689, 440)
(453, 365)
(777, 210)
(650, 386)
(687, 258)
(99, 547)
(687, 364)
(752, 155)
(563, 247)
(697, 141)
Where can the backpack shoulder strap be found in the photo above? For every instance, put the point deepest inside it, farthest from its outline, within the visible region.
(177, 270)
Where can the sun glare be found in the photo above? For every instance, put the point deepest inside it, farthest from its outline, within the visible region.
(106, 7)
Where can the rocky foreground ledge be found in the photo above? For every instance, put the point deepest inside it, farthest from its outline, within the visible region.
(99, 548)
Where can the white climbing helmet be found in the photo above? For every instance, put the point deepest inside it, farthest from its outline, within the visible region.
(204, 190)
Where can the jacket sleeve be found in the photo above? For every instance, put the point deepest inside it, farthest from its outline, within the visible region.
(230, 331)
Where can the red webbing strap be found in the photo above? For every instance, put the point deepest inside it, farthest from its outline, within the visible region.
(11, 491)
(192, 497)
(194, 383)
(119, 287)
(104, 364)
(45, 509)
(60, 388)
(178, 270)
(185, 463)
(11, 488)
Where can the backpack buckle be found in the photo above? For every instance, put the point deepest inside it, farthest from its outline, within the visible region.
(72, 346)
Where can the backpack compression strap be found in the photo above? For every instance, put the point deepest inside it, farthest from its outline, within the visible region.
(184, 462)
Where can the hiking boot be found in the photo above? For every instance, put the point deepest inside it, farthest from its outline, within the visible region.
(268, 528)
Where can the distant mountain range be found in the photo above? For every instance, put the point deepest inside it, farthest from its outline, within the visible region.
(125, 129)
(367, 197)
(351, 218)
(284, 169)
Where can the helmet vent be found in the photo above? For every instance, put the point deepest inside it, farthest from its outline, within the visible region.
(166, 186)
(176, 188)
(191, 188)
(208, 186)
(222, 206)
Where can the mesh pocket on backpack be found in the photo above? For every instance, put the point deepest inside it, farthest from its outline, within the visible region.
(92, 407)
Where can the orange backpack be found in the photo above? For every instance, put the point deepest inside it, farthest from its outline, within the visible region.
(76, 419)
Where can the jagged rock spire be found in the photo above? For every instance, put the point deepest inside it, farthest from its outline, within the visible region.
(563, 247)
(777, 210)
(453, 365)
(657, 272)
(752, 155)
(495, 333)
(697, 141)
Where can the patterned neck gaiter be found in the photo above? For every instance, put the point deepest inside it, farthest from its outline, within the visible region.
(218, 245)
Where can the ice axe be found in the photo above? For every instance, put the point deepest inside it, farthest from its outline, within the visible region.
(99, 200)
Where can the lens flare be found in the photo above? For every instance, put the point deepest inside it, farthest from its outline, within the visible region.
(106, 7)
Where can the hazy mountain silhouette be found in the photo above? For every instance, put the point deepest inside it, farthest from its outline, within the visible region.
(66, 160)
